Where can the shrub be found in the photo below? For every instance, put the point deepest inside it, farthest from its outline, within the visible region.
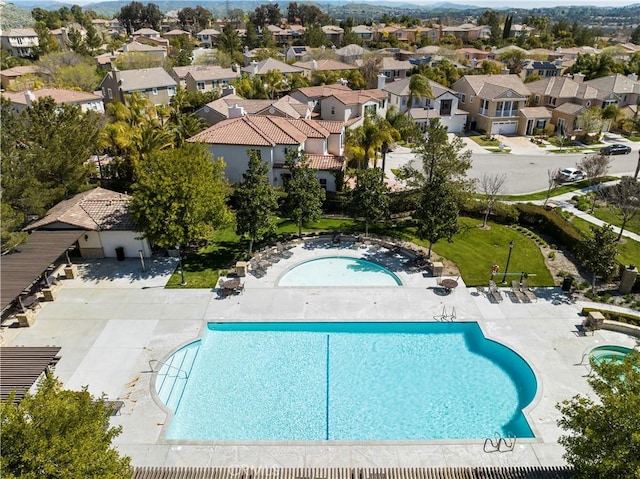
(551, 223)
(503, 213)
(403, 201)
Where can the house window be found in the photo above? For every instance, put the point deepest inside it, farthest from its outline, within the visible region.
(463, 97)
(171, 91)
(471, 99)
(370, 109)
(561, 126)
(552, 101)
(445, 107)
(323, 183)
(109, 93)
(387, 74)
(154, 91)
(333, 110)
(200, 85)
(536, 100)
(403, 102)
(396, 73)
(104, 92)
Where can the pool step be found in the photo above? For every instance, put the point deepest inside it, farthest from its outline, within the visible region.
(173, 375)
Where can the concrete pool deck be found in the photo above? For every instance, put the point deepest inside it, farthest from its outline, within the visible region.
(113, 319)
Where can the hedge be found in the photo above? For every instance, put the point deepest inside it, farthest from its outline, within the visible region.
(551, 223)
(503, 213)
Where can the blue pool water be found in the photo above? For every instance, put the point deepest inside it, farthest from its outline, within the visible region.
(339, 271)
(351, 381)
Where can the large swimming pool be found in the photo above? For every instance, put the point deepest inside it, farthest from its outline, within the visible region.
(345, 381)
(339, 271)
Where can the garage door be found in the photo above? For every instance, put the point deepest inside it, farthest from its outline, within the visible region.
(504, 127)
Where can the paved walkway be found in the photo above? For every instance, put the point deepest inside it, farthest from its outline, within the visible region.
(113, 319)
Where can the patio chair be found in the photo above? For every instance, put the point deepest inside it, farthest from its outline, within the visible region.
(527, 290)
(114, 407)
(494, 292)
(517, 292)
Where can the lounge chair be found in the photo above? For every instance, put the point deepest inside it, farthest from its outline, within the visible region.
(494, 292)
(114, 407)
(527, 291)
(517, 292)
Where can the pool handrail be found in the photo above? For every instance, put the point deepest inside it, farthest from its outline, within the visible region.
(157, 361)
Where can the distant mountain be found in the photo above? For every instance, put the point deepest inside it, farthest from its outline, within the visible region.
(12, 16)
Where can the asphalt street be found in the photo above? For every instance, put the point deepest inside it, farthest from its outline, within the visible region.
(525, 170)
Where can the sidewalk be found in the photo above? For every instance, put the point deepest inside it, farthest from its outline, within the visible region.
(563, 201)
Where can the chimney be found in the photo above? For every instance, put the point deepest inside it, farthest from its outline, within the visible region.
(342, 81)
(235, 111)
(254, 67)
(30, 97)
(382, 81)
(314, 65)
(632, 77)
(228, 90)
(504, 71)
(578, 77)
(558, 62)
(116, 74)
(246, 49)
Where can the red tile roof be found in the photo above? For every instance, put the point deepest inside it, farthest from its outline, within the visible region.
(321, 162)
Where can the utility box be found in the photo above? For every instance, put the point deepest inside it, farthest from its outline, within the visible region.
(628, 279)
(437, 269)
(241, 268)
(70, 271)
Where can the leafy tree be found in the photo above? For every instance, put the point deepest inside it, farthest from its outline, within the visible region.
(590, 121)
(44, 153)
(304, 193)
(76, 43)
(136, 15)
(513, 59)
(137, 61)
(369, 198)
(255, 201)
(635, 36)
(275, 82)
(437, 211)
(59, 433)
(419, 87)
(93, 40)
(603, 440)
(314, 37)
(594, 166)
(251, 40)
(83, 76)
(553, 181)
(598, 253)
(11, 235)
(506, 32)
(404, 124)
(624, 201)
(229, 41)
(179, 195)
(46, 41)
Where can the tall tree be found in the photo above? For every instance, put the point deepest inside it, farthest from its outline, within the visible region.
(229, 41)
(590, 121)
(365, 141)
(598, 253)
(274, 83)
(369, 199)
(59, 433)
(12, 221)
(304, 193)
(314, 37)
(513, 59)
(255, 201)
(179, 196)
(553, 181)
(437, 211)
(603, 440)
(624, 201)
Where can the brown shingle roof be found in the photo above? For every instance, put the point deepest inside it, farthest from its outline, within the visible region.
(322, 90)
(212, 72)
(321, 162)
(59, 95)
(358, 97)
(325, 65)
(96, 210)
(494, 86)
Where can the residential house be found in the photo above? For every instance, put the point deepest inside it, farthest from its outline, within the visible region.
(364, 33)
(104, 217)
(467, 32)
(313, 94)
(533, 120)
(471, 54)
(493, 102)
(153, 41)
(175, 33)
(443, 105)
(208, 37)
(394, 69)
(19, 42)
(554, 91)
(209, 77)
(319, 66)
(300, 53)
(397, 53)
(86, 101)
(231, 105)
(11, 74)
(625, 88)
(154, 83)
(431, 35)
(61, 35)
(137, 47)
(274, 137)
(268, 64)
(147, 33)
(351, 53)
(544, 69)
(565, 119)
(284, 36)
(333, 33)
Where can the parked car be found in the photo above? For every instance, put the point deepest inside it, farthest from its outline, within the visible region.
(571, 174)
(616, 149)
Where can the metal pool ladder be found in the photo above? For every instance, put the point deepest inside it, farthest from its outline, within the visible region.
(157, 361)
(499, 443)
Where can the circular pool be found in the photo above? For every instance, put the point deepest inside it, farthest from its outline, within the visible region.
(609, 353)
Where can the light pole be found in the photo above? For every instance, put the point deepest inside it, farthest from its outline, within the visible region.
(506, 268)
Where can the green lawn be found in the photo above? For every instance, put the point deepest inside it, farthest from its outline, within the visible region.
(473, 250)
(560, 190)
(605, 214)
(482, 141)
(628, 251)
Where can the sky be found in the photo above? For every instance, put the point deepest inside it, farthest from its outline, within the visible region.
(525, 4)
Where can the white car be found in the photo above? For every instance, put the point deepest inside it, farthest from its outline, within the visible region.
(571, 174)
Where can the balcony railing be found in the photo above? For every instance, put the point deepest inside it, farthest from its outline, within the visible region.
(503, 113)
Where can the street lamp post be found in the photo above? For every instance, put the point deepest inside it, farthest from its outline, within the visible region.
(504, 278)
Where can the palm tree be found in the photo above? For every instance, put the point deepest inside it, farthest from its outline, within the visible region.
(419, 87)
(368, 138)
(274, 82)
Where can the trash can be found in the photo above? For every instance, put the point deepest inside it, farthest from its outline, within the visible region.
(566, 284)
(120, 253)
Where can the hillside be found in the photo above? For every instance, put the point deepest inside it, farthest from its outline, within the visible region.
(14, 17)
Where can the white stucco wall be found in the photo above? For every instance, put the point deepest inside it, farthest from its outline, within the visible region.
(126, 239)
(335, 144)
(316, 146)
(237, 160)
